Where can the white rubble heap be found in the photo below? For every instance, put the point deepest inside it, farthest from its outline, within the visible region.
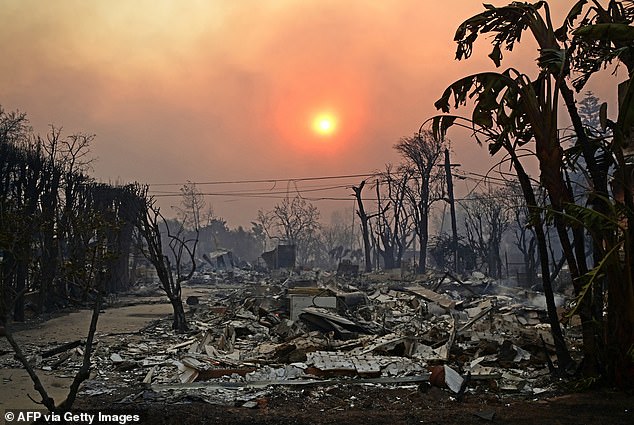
(468, 336)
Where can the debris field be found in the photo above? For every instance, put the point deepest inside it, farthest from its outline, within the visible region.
(257, 337)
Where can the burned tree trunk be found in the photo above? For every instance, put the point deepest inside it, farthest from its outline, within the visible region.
(365, 229)
(536, 223)
(49, 240)
(127, 213)
(147, 225)
(393, 224)
(422, 153)
(179, 322)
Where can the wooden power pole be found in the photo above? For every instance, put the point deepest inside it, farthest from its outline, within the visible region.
(452, 208)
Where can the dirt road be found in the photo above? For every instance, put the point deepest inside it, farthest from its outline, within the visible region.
(16, 384)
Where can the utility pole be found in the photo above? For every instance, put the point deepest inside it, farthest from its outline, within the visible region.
(452, 208)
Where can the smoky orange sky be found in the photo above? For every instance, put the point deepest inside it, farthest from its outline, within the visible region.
(227, 90)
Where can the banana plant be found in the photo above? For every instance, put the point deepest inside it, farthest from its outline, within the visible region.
(511, 110)
(605, 35)
(505, 103)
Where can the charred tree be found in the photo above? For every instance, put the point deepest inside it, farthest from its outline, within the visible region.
(393, 221)
(295, 222)
(422, 153)
(365, 226)
(170, 275)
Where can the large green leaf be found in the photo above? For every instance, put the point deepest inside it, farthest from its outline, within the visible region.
(496, 55)
(507, 23)
(606, 32)
(440, 125)
(593, 275)
(504, 104)
(553, 61)
(626, 111)
(562, 32)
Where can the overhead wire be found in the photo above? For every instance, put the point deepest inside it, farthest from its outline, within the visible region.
(292, 186)
(279, 180)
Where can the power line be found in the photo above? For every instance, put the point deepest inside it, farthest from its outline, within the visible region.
(309, 188)
(317, 178)
(292, 187)
(300, 179)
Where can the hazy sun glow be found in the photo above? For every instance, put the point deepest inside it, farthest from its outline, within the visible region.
(325, 124)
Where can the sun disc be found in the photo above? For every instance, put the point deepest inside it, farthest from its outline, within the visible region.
(324, 124)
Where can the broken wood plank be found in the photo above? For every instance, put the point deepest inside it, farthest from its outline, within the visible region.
(220, 372)
(442, 300)
(475, 319)
(149, 376)
(61, 348)
(62, 359)
(182, 344)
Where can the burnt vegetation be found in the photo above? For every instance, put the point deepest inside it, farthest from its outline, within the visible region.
(67, 240)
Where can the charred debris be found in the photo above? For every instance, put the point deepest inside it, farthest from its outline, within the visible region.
(252, 333)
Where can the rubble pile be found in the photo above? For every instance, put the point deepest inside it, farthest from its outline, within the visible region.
(252, 332)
